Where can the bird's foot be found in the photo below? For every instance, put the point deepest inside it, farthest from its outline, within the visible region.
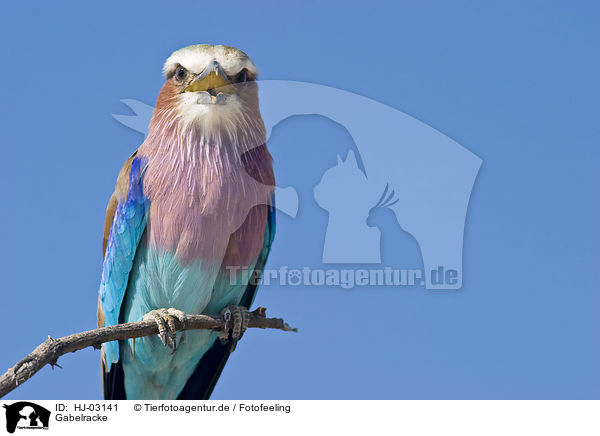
(236, 320)
(165, 320)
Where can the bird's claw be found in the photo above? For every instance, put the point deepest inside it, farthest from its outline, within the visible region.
(165, 320)
(236, 320)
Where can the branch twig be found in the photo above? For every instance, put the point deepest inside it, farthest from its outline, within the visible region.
(51, 349)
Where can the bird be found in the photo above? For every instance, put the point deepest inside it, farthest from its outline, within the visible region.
(192, 209)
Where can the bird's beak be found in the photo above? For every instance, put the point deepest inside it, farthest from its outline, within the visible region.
(212, 78)
(212, 81)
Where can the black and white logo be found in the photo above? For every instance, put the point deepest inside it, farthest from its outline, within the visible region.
(26, 415)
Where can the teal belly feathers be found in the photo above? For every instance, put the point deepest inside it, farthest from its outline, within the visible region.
(158, 280)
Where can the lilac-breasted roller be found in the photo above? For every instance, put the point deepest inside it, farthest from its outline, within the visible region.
(191, 205)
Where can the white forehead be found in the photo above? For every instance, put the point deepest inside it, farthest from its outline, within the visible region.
(196, 57)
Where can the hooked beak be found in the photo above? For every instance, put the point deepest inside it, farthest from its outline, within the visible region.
(212, 80)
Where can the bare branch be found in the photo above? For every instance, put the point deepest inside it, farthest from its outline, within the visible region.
(51, 349)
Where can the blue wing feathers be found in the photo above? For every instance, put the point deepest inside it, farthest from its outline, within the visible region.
(127, 228)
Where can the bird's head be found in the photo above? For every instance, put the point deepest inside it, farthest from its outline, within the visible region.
(210, 87)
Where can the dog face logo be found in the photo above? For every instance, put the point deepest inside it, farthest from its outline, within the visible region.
(26, 415)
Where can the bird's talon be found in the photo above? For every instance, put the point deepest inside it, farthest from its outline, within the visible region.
(224, 334)
(163, 339)
(165, 321)
(240, 317)
(179, 314)
(226, 315)
(245, 321)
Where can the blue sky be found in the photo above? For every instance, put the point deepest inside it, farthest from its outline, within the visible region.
(514, 82)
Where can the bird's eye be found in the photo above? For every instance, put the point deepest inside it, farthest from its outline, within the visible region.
(180, 73)
(242, 76)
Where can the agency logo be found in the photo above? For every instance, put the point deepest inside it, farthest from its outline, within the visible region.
(26, 415)
(399, 164)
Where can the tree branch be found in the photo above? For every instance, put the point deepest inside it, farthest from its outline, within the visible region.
(51, 349)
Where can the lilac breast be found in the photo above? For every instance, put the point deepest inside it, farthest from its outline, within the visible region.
(209, 199)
